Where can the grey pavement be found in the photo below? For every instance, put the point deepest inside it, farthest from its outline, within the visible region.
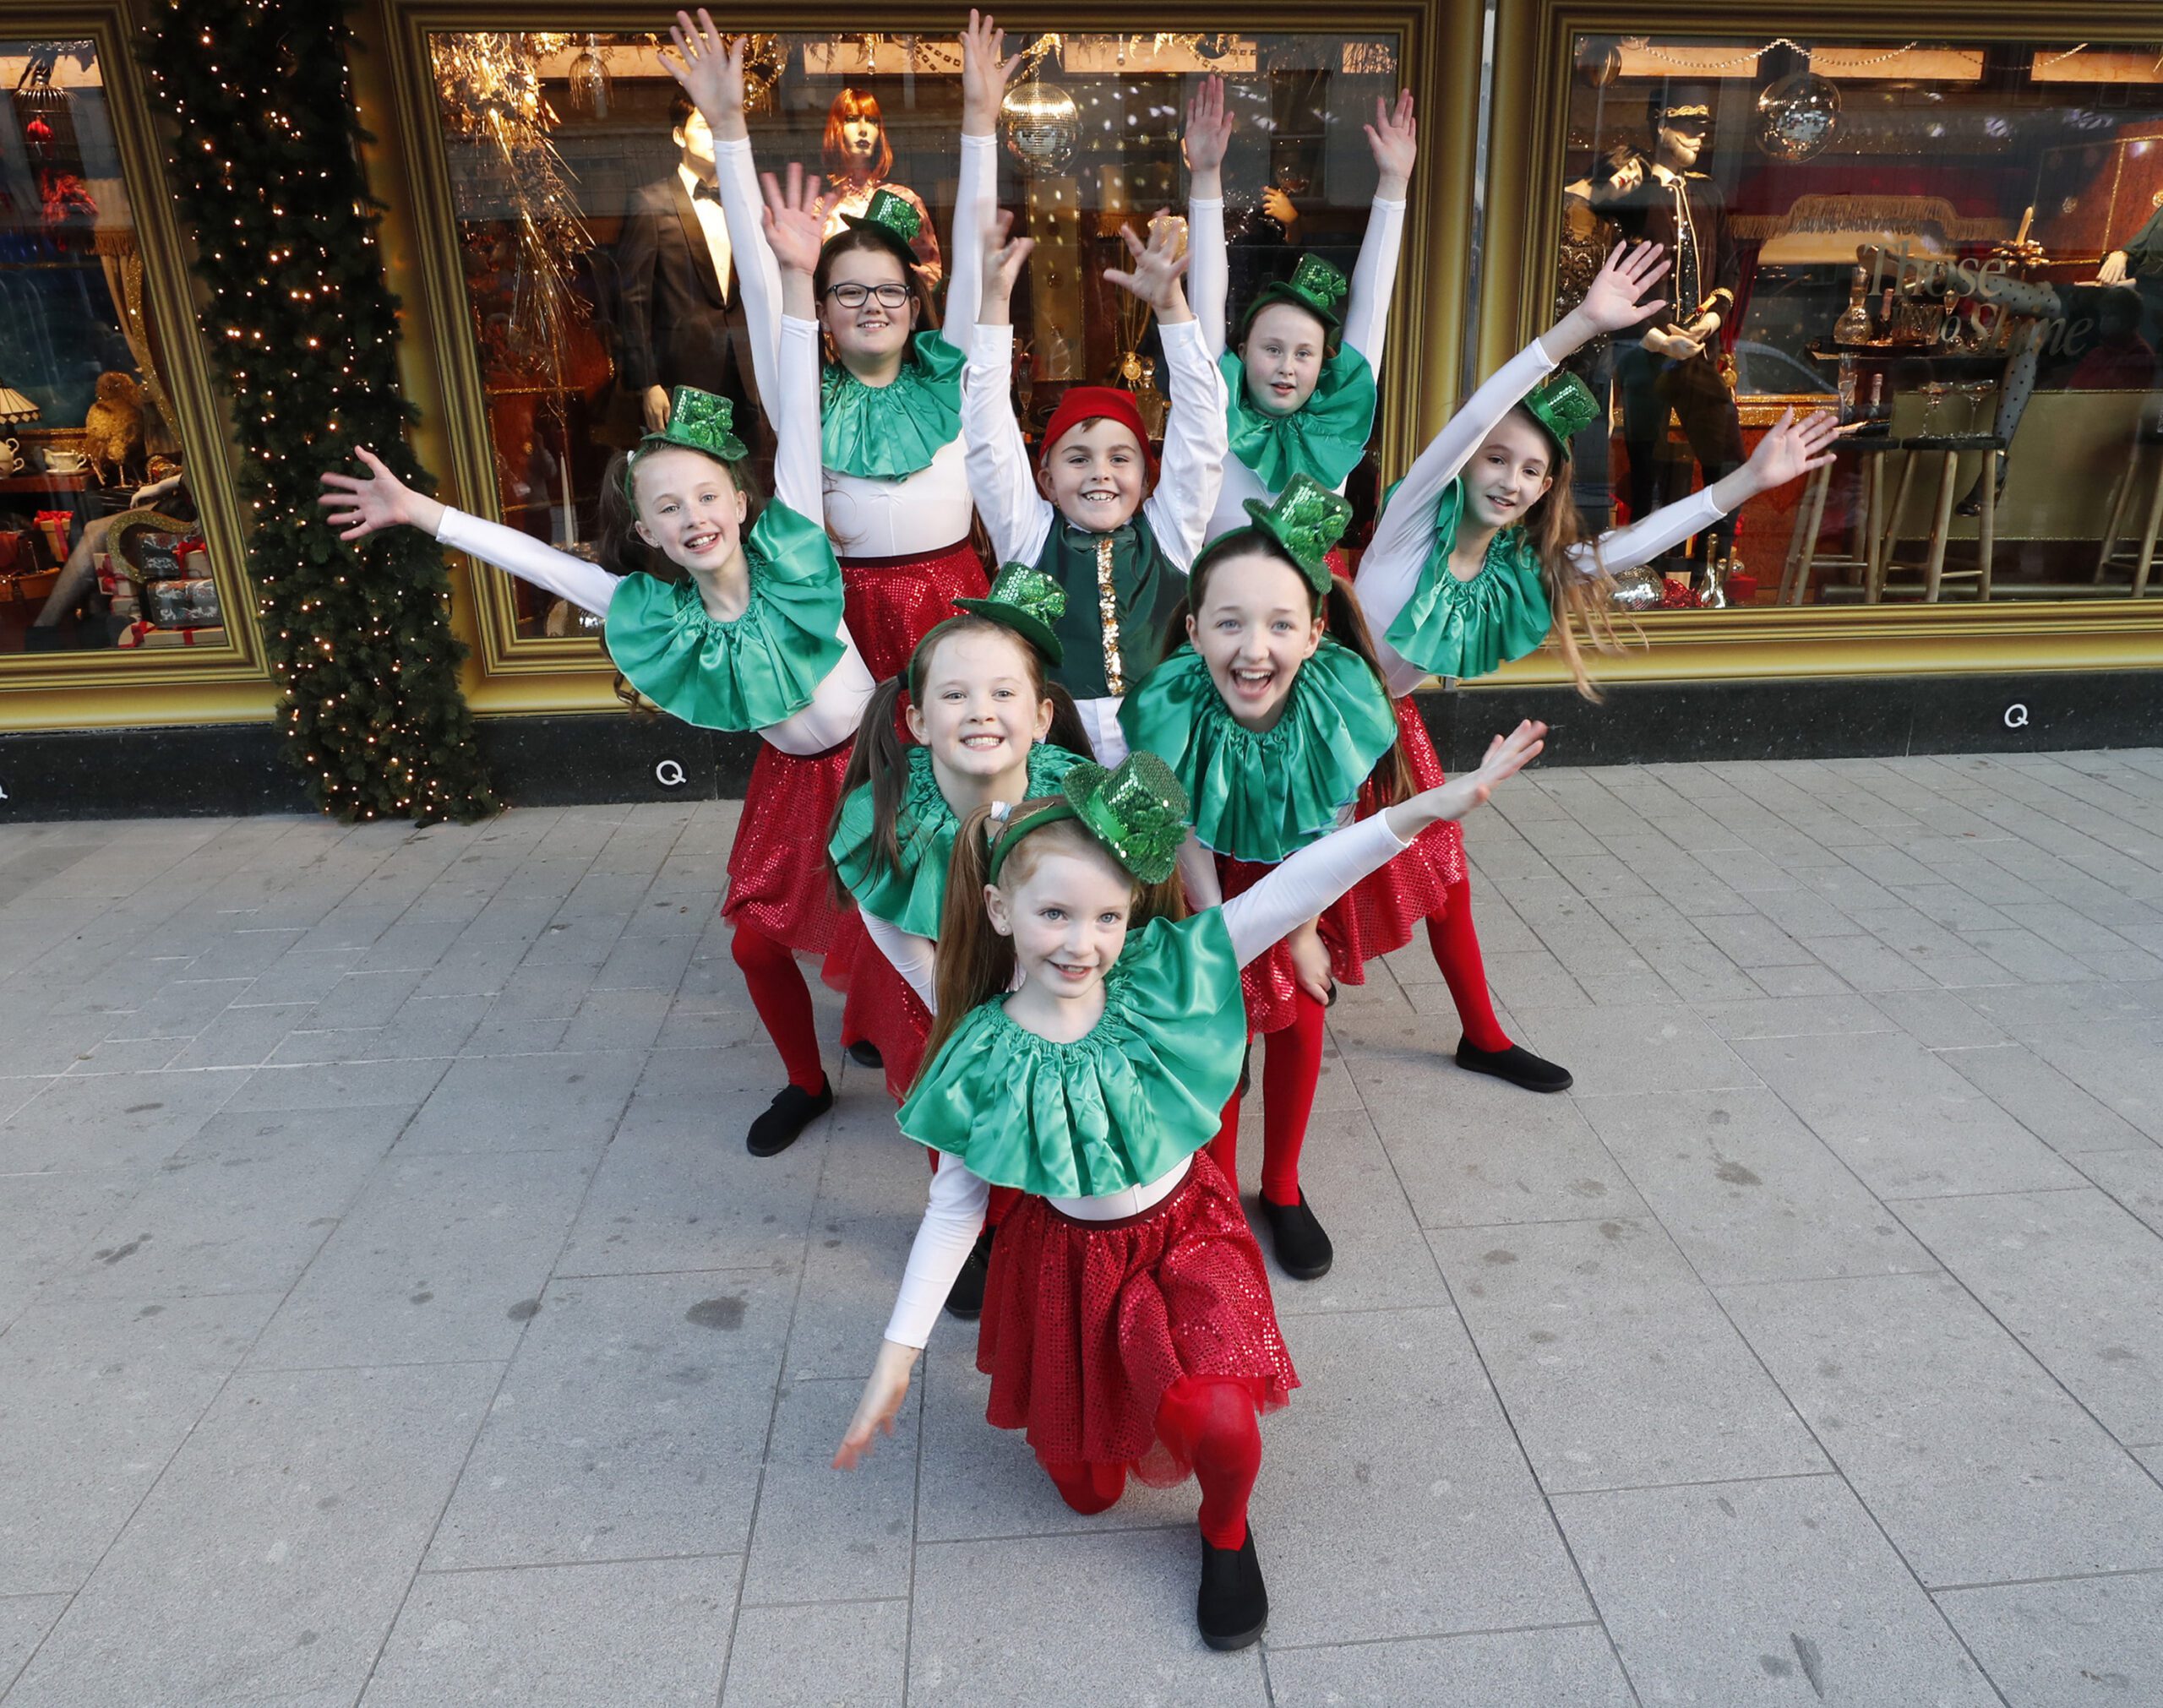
(389, 1312)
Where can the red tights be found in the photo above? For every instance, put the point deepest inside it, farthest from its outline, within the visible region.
(1456, 952)
(1291, 1064)
(1209, 1422)
(783, 1001)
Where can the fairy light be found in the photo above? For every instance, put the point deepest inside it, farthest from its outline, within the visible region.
(305, 339)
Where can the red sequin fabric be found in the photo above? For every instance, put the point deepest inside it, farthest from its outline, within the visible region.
(891, 603)
(1439, 848)
(884, 1010)
(777, 869)
(1086, 1324)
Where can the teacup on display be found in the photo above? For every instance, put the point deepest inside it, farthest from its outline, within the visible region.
(65, 462)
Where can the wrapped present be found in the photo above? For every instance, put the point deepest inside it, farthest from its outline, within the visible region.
(190, 604)
(150, 637)
(57, 526)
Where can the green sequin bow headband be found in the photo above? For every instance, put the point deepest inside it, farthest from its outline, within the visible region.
(698, 420)
(1563, 407)
(1138, 813)
(1028, 602)
(892, 218)
(1307, 520)
(1314, 285)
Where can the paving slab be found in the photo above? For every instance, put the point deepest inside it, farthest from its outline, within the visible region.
(1764, 1591)
(561, 1636)
(1559, 1667)
(2043, 1100)
(112, 1120)
(1977, 1464)
(2068, 1644)
(820, 1654)
(828, 1535)
(1661, 1047)
(1617, 1367)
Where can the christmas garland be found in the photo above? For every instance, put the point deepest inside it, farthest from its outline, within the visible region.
(303, 333)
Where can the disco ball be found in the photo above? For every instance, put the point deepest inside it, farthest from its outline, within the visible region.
(1635, 590)
(1797, 116)
(1043, 125)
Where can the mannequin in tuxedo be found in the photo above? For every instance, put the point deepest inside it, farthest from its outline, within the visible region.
(683, 323)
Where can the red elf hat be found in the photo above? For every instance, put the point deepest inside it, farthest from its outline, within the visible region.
(1084, 403)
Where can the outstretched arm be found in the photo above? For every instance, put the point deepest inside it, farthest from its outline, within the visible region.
(1208, 273)
(1195, 442)
(792, 230)
(1394, 140)
(1016, 515)
(986, 69)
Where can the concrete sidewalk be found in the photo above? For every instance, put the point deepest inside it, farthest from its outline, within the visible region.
(392, 1314)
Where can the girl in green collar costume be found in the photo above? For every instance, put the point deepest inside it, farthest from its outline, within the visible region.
(726, 628)
(1272, 715)
(1299, 377)
(1088, 1033)
(1477, 560)
(897, 501)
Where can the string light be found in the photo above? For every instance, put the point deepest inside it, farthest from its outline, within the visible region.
(306, 345)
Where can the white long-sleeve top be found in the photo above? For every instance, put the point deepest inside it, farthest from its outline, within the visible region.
(913, 956)
(922, 512)
(1390, 567)
(837, 705)
(1296, 891)
(1366, 318)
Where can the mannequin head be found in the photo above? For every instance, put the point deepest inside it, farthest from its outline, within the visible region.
(1681, 119)
(688, 130)
(856, 147)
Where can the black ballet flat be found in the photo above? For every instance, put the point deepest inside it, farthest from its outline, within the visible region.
(865, 1054)
(1232, 1606)
(793, 1110)
(1303, 1248)
(1517, 1064)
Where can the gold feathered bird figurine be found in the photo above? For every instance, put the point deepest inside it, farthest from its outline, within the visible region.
(112, 431)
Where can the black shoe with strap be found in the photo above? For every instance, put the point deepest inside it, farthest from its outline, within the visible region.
(793, 1110)
(1517, 1064)
(1233, 1604)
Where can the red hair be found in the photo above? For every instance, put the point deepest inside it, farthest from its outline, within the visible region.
(853, 104)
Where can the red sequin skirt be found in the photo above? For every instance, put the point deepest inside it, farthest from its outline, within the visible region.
(891, 603)
(886, 1012)
(1436, 855)
(1086, 1324)
(777, 881)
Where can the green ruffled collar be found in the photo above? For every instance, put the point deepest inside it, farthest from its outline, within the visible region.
(1324, 438)
(883, 433)
(912, 893)
(755, 671)
(1261, 797)
(1119, 1107)
(1469, 628)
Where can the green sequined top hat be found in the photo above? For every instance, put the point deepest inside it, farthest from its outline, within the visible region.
(1138, 812)
(1563, 407)
(1028, 602)
(893, 218)
(1314, 285)
(1307, 520)
(698, 420)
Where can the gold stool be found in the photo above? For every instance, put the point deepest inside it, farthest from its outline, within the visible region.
(2149, 436)
(1947, 447)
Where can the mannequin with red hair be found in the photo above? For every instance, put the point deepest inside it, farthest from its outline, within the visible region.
(859, 158)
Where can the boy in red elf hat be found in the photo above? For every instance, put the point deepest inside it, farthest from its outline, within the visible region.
(1099, 517)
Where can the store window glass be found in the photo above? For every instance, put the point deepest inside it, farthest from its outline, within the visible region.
(1957, 247)
(99, 546)
(599, 278)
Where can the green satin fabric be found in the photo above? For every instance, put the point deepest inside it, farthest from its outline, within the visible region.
(745, 675)
(912, 894)
(882, 432)
(1117, 1108)
(1261, 797)
(1467, 628)
(1324, 438)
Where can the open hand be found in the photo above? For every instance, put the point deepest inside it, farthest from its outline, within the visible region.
(794, 226)
(887, 1386)
(1677, 345)
(1506, 755)
(358, 508)
(1208, 127)
(985, 72)
(710, 67)
(1394, 139)
(1792, 448)
(1158, 265)
(1616, 297)
(1003, 256)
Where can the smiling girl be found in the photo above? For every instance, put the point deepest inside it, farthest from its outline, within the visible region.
(1273, 717)
(726, 627)
(1089, 1031)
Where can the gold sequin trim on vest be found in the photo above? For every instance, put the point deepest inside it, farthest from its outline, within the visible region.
(1107, 616)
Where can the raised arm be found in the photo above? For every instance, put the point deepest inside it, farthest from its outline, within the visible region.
(1195, 433)
(1394, 140)
(792, 230)
(711, 71)
(985, 70)
(1016, 516)
(1208, 272)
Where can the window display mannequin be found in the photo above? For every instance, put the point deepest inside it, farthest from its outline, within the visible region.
(1670, 366)
(683, 320)
(859, 158)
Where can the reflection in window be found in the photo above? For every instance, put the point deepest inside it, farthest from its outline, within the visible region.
(99, 547)
(599, 274)
(1960, 248)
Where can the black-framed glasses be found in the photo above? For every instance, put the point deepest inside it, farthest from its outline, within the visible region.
(855, 296)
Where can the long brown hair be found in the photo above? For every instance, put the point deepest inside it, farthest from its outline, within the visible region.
(1342, 618)
(880, 757)
(852, 103)
(975, 962)
(1576, 600)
